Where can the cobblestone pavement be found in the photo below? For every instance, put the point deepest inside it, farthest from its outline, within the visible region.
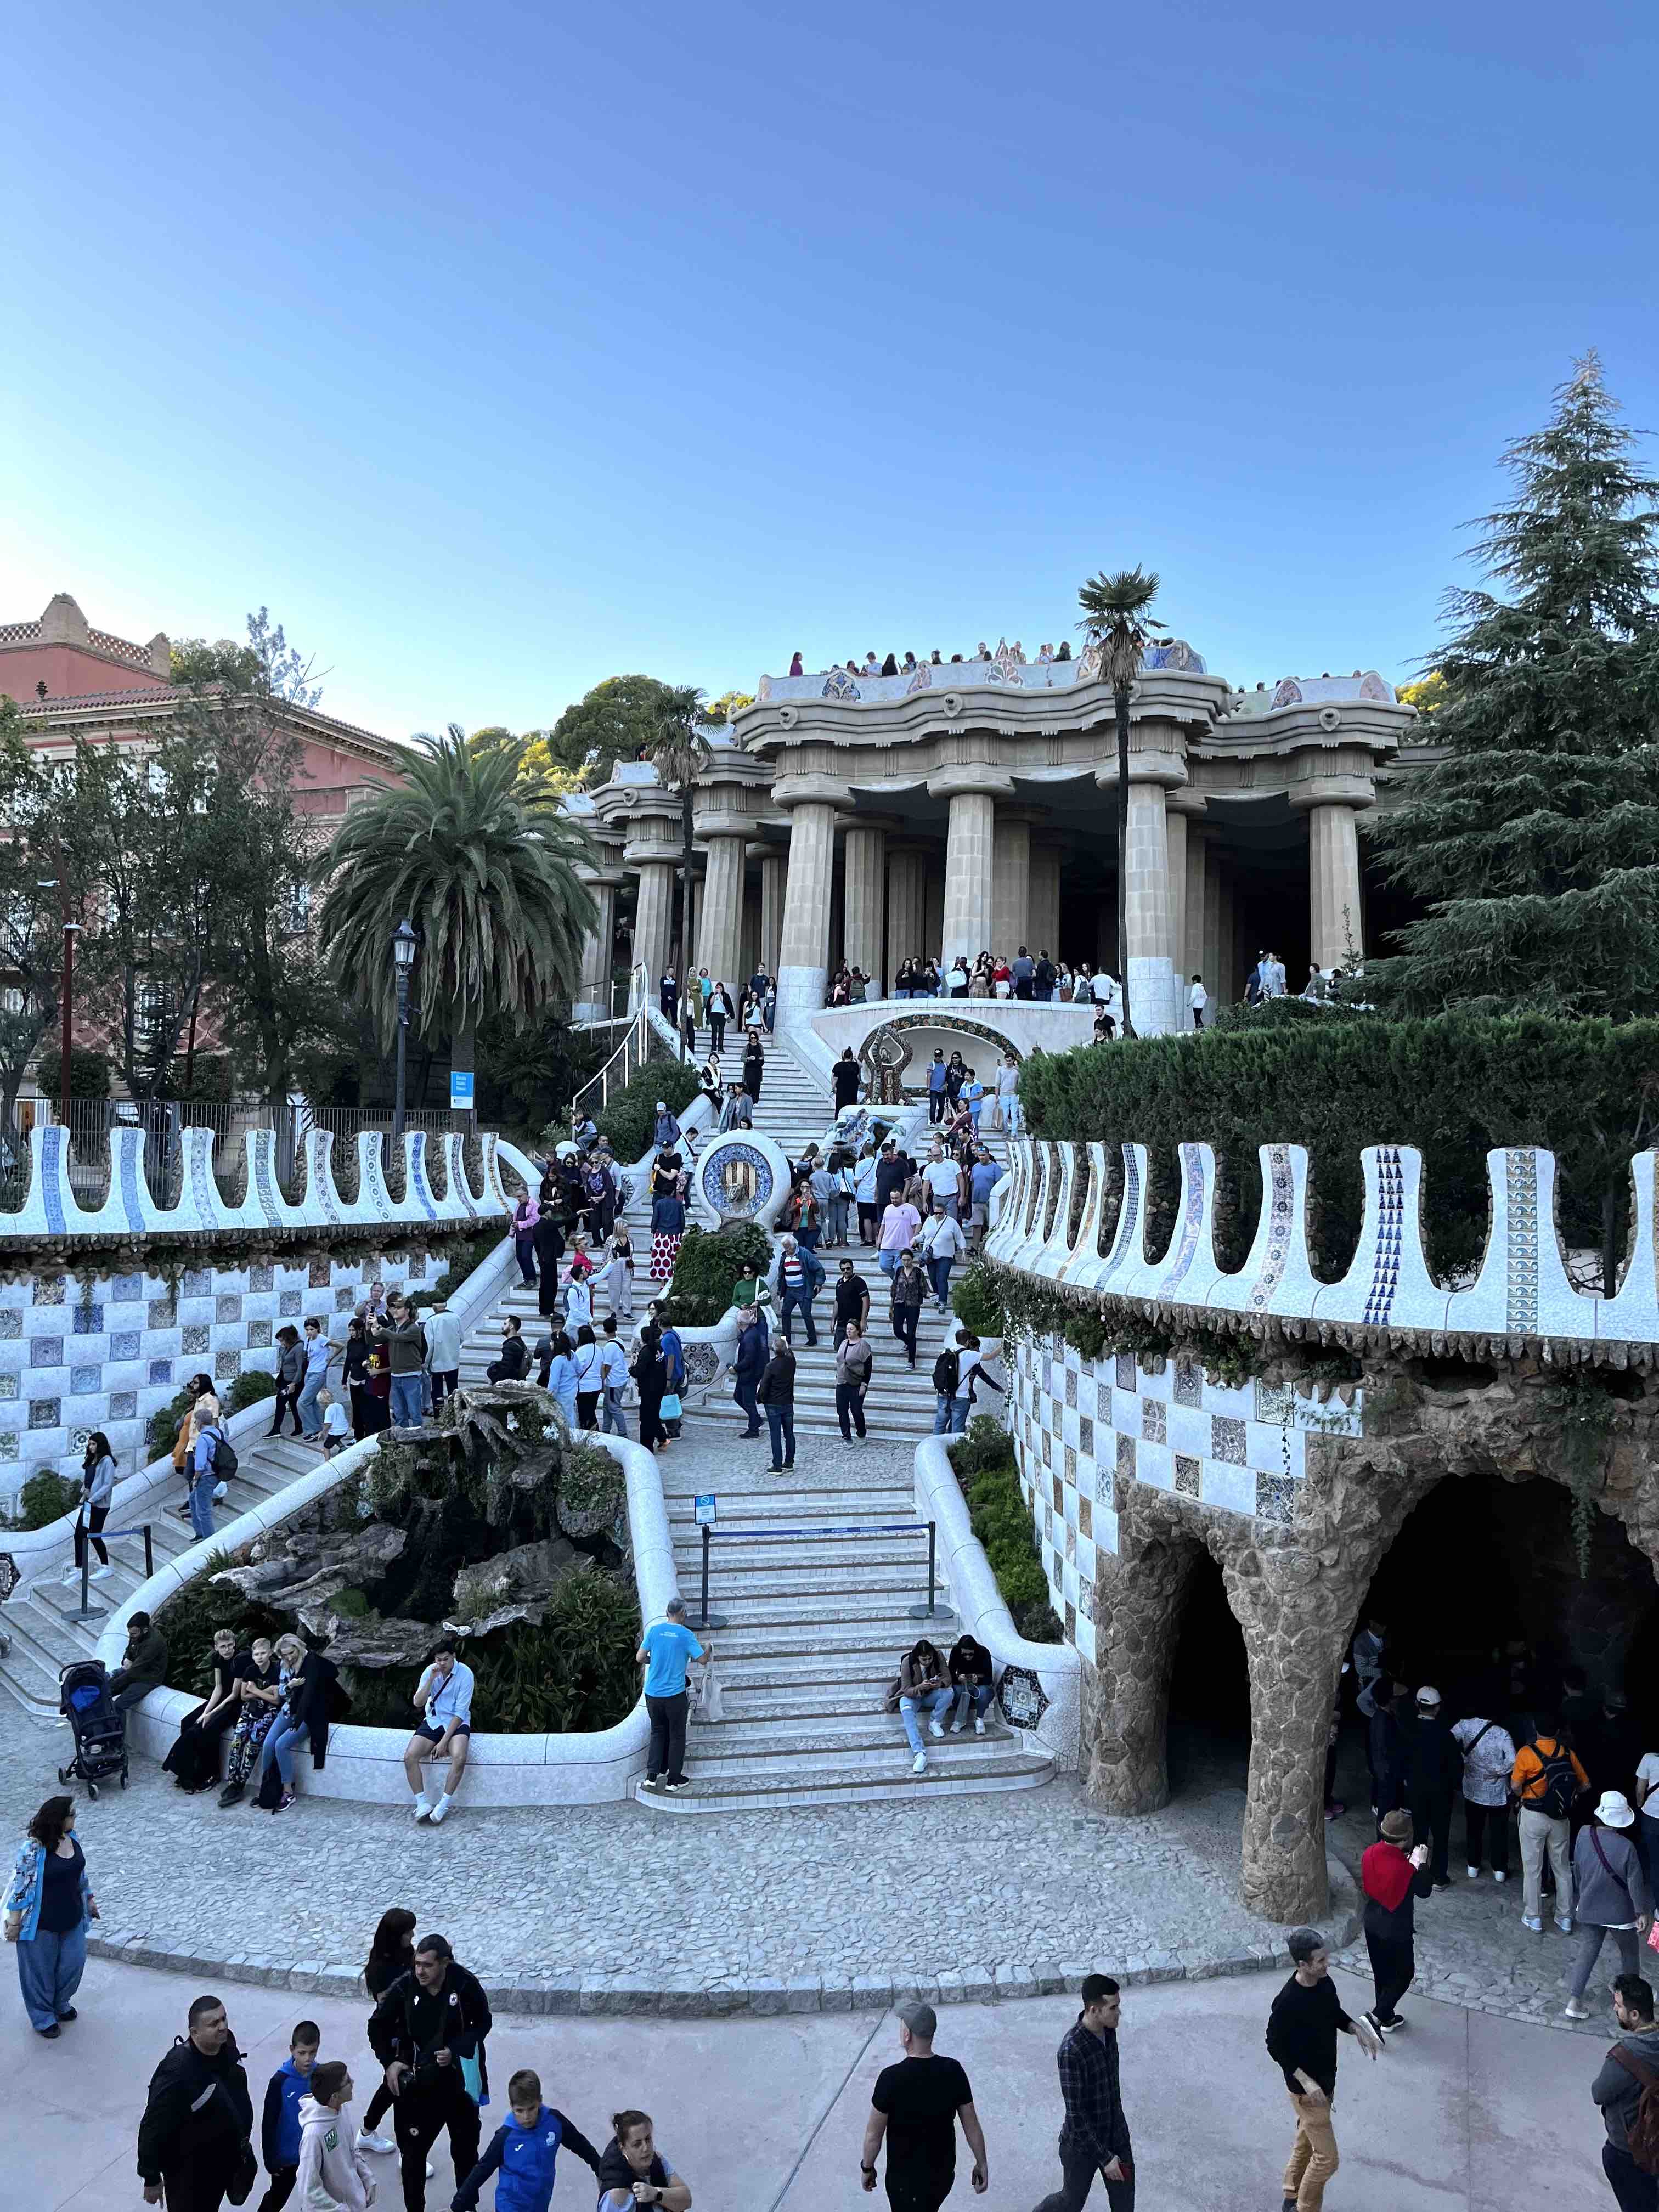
(982, 1896)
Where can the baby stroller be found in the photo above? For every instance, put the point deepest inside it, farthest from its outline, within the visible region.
(101, 1735)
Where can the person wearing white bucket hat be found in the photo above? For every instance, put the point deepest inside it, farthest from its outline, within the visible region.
(1614, 1897)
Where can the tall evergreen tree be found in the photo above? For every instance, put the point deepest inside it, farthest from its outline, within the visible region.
(1533, 843)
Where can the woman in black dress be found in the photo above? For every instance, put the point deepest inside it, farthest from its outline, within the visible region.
(355, 1366)
(390, 1954)
(193, 1761)
(651, 1373)
(754, 1066)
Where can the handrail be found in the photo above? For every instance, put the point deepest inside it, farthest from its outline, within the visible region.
(88, 1611)
(630, 1055)
(931, 1611)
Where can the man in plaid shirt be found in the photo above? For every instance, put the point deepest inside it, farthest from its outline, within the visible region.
(1094, 2136)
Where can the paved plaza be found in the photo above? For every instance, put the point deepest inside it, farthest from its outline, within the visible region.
(768, 2113)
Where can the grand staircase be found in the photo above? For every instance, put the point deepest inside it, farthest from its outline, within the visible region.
(45, 1633)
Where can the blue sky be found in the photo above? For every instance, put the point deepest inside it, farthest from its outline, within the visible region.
(501, 349)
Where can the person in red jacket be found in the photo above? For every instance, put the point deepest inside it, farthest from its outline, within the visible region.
(1388, 1874)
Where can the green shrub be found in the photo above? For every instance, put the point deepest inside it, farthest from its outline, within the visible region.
(46, 1497)
(974, 1302)
(470, 1254)
(249, 1387)
(209, 1079)
(710, 1262)
(984, 1463)
(89, 1073)
(631, 1116)
(189, 1620)
(575, 1671)
(163, 1432)
(1455, 1086)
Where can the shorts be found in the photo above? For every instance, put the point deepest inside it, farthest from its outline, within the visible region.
(435, 1733)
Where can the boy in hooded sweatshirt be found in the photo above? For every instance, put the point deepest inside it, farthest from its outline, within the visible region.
(279, 2132)
(524, 2152)
(332, 2176)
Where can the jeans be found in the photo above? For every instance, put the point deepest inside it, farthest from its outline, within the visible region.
(1487, 1823)
(96, 1517)
(849, 1405)
(780, 1421)
(935, 1105)
(743, 1389)
(49, 1970)
(1011, 1108)
(1590, 1950)
(943, 1402)
(938, 1274)
(286, 1401)
(838, 1206)
(525, 1251)
(888, 1262)
(311, 1421)
(667, 1753)
(807, 1239)
(1078, 2172)
(905, 1318)
(1313, 2157)
(408, 1399)
(201, 1507)
(935, 1703)
(281, 1744)
(616, 1421)
(792, 1302)
(974, 1697)
(1636, 2192)
(1393, 1968)
(1540, 1834)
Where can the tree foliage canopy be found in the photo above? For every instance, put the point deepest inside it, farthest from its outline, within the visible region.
(1534, 841)
(616, 720)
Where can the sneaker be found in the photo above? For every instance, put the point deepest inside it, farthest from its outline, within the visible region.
(1335, 1809)
(919, 1764)
(52, 2032)
(676, 1787)
(1499, 1875)
(1391, 2026)
(1473, 1873)
(221, 1492)
(1566, 1926)
(382, 2146)
(69, 2012)
(1536, 1926)
(934, 1729)
(423, 1809)
(439, 1811)
(979, 1725)
(1443, 1881)
(1373, 2023)
(1574, 2010)
(101, 1574)
(283, 1802)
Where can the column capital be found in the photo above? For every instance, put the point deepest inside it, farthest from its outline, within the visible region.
(1355, 791)
(975, 778)
(1184, 799)
(1165, 768)
(887, 823)
(808, 788)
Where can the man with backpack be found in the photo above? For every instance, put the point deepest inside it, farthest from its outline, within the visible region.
(1545, 1779)
(428, 2032)
(1627, 2091)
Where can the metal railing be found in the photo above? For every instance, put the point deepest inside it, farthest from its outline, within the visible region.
(932, 1611)
(88, 1611)
(629, 1057)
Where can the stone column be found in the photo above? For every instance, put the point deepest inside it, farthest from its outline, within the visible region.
(1175, 830)
(653, 919)
(774, 870)
(720, 913)
(1335, 918)
(803, 968)
(906, 908)
(1043, 912)
(1126, 1693)
(863, 925)
(1214, 975)
(1228, 924)
(973, 792)
(599, 952)
(1011, 881)
(1146, 956)
(1195, 940)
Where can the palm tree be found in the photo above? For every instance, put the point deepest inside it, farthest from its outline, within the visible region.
(1115, 622)
(679, 753)
(479, 858)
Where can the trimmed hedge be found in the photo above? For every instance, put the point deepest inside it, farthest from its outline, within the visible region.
(710, 1262)
(631, 1116)
(984, 1459)
(1456, 1086)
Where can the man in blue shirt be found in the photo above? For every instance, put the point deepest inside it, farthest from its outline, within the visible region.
(664, 1650)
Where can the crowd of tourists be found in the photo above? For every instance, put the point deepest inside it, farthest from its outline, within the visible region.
(706, 1003)
(907, 664)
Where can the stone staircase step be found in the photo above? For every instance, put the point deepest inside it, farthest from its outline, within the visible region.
(857, 1784)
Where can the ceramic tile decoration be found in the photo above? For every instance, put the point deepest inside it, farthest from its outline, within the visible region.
(1227, 1439)
(287, 1304)
(11, 1321)
(162, 1313)
(1187, 1475)
(1189, 1383)
(126, 1290)
(261, 1278)
(1152, 1420)
(48, 1351)
(123, 1405)
(198, 1282)
(43, 1412)
(89, 1320)
(125, 1344)
(48, 1290)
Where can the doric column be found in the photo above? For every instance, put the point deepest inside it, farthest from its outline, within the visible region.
(1157, 766)
(1042, 911)
(1184, 950)
(803, 949)
(654, 917)
(1011, 880)
(906, 908)
(863, 925)
(720, 913)
(599, 952)
(1335, 921)
(1216, 979)
(972, 791)
(774, 871)
(1194, 938)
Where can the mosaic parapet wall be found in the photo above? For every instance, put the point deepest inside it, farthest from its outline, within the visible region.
(1521, 1297)
(127, 1209)
(1085, 1430)
(72, 1361)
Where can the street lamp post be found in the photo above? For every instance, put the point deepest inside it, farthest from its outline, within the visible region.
(404, 942)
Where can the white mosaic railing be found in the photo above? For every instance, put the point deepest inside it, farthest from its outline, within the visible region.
(128, 1210)
(1522, 1291)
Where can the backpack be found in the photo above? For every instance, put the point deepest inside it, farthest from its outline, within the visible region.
(1560, 1784)
(1642, 2128)
(947, 1370)
(224, 1456)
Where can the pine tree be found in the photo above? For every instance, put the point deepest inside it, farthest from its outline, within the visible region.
(1533, 843)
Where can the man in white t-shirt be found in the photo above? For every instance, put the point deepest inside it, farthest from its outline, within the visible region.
(1647, 1802)
(1198, 998)
(943, 1180)
(444, 1697)
(613, 1379)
